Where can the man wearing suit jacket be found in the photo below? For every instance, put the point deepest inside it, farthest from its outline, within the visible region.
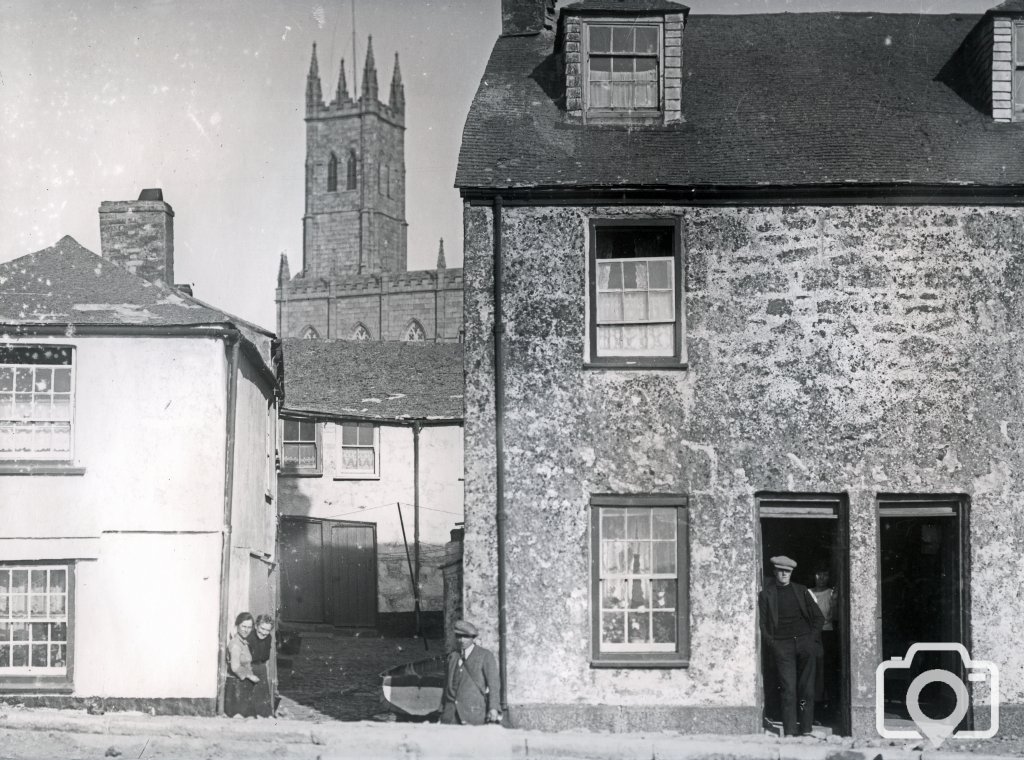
(472, 687)
(791, 631)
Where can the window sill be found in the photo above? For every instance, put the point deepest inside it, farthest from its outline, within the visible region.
(38, 467)
(300, 474)
(629, 364)
(356, 476)
(640, 663)
(35, 684)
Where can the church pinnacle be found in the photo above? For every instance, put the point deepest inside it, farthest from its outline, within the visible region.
(284, 274)
(342, 93)
(314, 96)
(369, 74)
(397, 100)
(440, 256)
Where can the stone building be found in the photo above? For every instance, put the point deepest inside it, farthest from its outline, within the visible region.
(371, 481)
(354, 282)
(137, 478)
(756, 285)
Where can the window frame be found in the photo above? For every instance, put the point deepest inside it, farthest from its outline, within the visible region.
(50, 683)
(342, 474)
(651, 659)
(54, 459)
(332, 173)
(612, 113)
(1017, 70)
(293, 470)
(678, 359)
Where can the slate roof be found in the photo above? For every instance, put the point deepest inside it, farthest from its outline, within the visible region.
(769, 100)
(67, 284)
(387, 380)
(1010, 6)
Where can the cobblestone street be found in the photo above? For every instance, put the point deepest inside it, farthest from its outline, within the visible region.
(337, 677)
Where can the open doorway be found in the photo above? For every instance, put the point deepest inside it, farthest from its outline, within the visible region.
(812, 529)
(923, 592)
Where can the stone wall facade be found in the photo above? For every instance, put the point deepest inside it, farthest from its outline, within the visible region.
(853, 350)
(385, 305)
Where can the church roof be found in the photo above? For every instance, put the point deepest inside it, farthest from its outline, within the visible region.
(770, 100)
(67, 284)
(380, 380)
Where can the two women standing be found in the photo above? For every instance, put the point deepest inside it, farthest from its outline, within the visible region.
(247, 691)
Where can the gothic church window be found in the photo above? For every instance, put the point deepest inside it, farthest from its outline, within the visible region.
(361, 333)
(332, 174)
(310, 332)
(414, 332)
(351, 170)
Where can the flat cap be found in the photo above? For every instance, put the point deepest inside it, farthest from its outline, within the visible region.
(781, 561)
(465, 628)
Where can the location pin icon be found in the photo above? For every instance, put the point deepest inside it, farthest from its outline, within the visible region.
(937, 730)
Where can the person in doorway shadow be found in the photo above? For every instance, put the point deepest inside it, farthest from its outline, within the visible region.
(826, 666)
(791, 625)
(471, 686)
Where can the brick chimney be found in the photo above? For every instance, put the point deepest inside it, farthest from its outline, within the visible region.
(527, 16)
(139, 235)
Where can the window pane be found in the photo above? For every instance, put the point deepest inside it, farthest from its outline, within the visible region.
(19, 631)
(1018, 44)
(365, 435)
(622, 69)
(39, 631)
(600, 39)
(44, 380)
(19, 581)
(609, 307)
(23, 379)
(634, 307)
(639, 627)
(62, 380)
(58, 631)
(58, 605)
(646, 69)
(39, 655)
(37, 605)
(1018, 88)
(5, 608)
(5, 581)
(613, 594)
(307, 431)
(638, 595)
(613, 523)
(39, 581)
(349, 436)
(5, 631)
(6, 379)
(291, 430)
(664, 523)
(366, 460)
(663, 594)
(638, 523)
(646, 39)
(5, 656)
(664, 556)
(664, 627)
(639, 558)
(660, 306)
(58, 581)
(19, 656)
(600, 95)
(614, 557)
(660, 274)
(613, 627)
(622, 39)
(58, 655)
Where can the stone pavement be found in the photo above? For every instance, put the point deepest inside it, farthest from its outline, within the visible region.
(337, 676)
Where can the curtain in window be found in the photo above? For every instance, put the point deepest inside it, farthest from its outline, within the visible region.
(635, 307)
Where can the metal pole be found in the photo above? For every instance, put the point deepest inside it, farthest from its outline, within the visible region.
(416, 521)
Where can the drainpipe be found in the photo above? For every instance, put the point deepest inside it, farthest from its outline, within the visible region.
(416, 522)
(499, 450)
(232, 344)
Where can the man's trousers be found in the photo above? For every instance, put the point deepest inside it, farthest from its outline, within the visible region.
(794, 665)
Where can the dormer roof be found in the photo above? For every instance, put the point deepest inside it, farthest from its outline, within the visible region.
(836, 99)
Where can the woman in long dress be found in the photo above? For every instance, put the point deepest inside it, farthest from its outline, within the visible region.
(261, 647)
(238, 688)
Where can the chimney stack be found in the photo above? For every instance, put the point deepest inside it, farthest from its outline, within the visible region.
(139, 235)
(527, 16)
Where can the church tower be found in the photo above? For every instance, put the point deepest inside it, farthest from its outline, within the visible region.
(354, 221)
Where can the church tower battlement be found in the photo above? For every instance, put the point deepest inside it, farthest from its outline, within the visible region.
(354, 222)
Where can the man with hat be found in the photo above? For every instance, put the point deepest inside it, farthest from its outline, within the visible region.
(791, 631)
(472, 689)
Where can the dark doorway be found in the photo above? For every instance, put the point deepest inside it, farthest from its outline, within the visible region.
(923, 592)
(812, 529)
(354, 574)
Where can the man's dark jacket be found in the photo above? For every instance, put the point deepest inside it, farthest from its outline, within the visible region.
(471, 687)
(768, 605)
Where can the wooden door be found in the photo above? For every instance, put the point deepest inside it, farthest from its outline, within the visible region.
(302, 570)
(353, 572)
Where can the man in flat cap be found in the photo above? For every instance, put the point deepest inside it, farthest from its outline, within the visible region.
(472, 689)
(791, 632)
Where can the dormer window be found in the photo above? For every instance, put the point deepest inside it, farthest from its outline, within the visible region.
(623, 67)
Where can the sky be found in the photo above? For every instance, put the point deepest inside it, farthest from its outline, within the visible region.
(205, 99)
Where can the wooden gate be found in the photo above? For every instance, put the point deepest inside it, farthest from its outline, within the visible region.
(329, 572)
